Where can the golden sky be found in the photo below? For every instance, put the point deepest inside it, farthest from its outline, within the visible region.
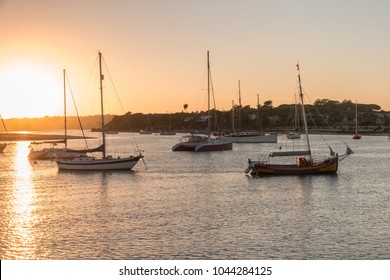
(156, 52)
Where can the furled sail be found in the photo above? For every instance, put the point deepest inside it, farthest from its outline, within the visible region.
(97, 149)
(289, 153)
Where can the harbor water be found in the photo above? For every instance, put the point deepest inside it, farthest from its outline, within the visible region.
(188, 205)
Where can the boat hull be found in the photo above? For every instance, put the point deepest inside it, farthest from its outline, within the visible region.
(91, 164)
(209, 147)
(292, 136)
(184, 147)
(204, 146)
(54, 153)
(272, 138)
(165, 133)
(2, 147)
(260, 168)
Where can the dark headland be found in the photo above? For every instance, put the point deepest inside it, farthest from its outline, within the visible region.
(33, 137)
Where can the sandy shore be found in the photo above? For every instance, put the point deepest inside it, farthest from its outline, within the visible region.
(33, 137)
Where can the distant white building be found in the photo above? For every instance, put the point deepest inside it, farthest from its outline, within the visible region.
(252, 117)
(204, 118)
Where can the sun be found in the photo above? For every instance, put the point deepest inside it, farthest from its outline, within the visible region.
(30, 90)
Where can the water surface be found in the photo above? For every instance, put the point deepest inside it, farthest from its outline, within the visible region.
(195, 206)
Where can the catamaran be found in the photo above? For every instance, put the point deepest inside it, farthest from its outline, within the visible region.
(305, 163)
(198, 143)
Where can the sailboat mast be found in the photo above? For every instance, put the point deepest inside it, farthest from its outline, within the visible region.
(208, 92)
(258, 113)
(5, 128)
(295, 114)
(170, 121)
(239, 105)
(65, 134)
(101, 77)
(233, 115)
(303, 111)
(356, 121)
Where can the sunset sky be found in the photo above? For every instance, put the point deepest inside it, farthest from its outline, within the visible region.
(156, 52)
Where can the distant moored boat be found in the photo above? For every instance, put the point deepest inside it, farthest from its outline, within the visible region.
(356, 136)
(203, 143)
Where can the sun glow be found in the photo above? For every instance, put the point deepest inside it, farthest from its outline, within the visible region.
(30, 90)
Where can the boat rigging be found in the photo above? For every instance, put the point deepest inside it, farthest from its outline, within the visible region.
(305, 163)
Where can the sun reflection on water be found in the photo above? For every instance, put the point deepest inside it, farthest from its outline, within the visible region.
(22, 240)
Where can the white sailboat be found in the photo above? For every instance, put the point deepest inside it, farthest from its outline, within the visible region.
(247, 136)
(107, 162)
(51, 150)
(148, 129)
(296, 134)
(169, 131)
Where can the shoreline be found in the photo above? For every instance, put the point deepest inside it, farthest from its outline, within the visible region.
(14, 136)
(35, 137)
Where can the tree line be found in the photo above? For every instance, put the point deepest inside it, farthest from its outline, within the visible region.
(266, 117)
(322, 113)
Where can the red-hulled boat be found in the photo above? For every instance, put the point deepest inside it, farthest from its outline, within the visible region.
(304, 163)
